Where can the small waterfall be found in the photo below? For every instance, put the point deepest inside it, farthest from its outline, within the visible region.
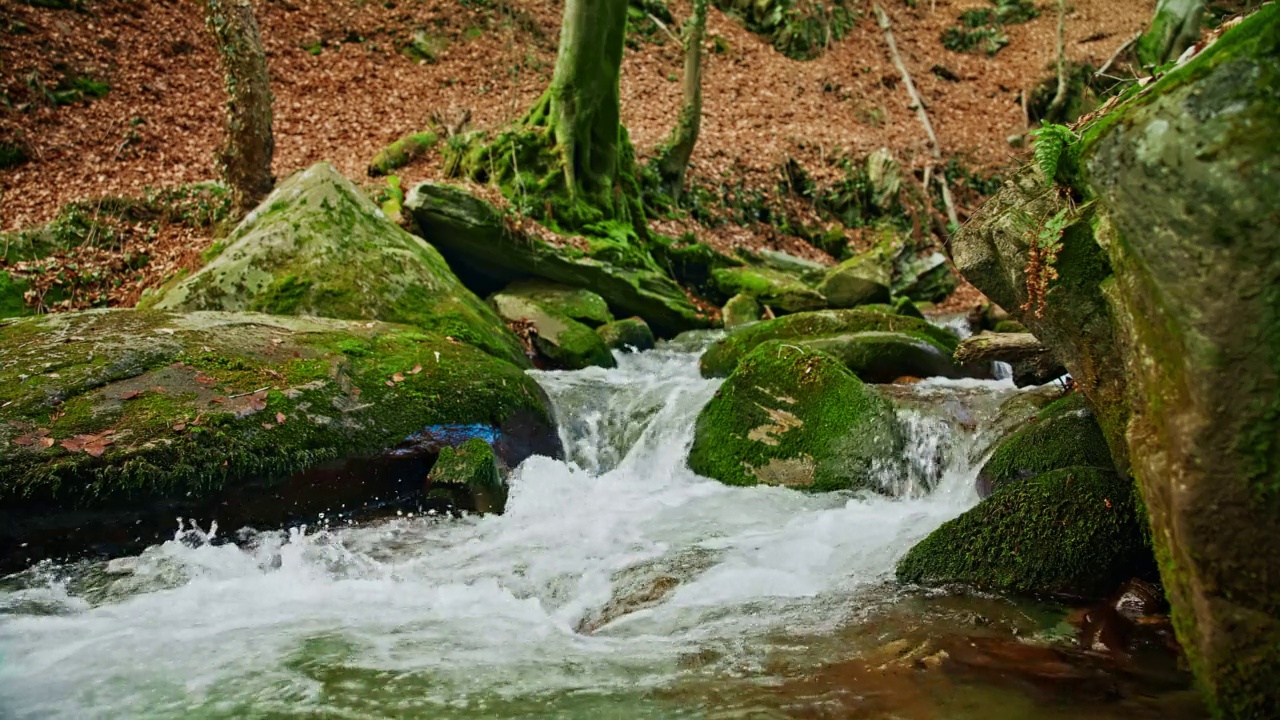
(608, 572)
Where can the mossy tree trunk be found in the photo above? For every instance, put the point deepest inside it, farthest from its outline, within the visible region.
(673, 160)
(245, 157)
(1175, 27)
(569, 161)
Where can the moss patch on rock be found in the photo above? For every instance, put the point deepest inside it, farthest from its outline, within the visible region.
(795, 417)
(490, 252)
(117, 407)
(1064, 434)
(318, 246)
(741, 309)
(1073, 531)
(882, 357)
(860, 280)
(561, 342)
(720, 359)
(468, 475)
(630, 334)
(579, 304)
(779, 290)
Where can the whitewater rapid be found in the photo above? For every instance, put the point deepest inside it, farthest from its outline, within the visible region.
(546, 610)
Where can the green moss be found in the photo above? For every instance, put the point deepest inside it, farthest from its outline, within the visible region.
(774, 288)
(562, 342)
(184, 418)
(317, 246)
(799, 30)
(580, 304)
(883, 357)
(402, 152)
(1064, 434)
(469, 474)
(12, 296)
(1073, 531)
(627, 334)
(1009, 326)
(794, 416)
(720, 359)
(741, 309)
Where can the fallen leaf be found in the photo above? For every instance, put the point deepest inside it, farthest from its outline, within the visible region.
(96, 448)
(390, 384)
(398, 377)
(280, 418)
(258, 400)
(75, 444)
(416, 369)
(132, 394)
(46, 442)
(158, 389)
(267, 426)
(274, 374)
(23, 441)
(179, 427)
(219, 400)
(206, 380)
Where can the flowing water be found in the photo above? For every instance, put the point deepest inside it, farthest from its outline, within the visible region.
(617, 584)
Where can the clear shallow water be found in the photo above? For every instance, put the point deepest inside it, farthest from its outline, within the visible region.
(618, 584)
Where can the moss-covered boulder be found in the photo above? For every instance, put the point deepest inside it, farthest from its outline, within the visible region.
(137, 416)
(782, 291)
(629, 335)
(795, 417)
(578, 304)
(561, 342)
(1064, 434)
(882, 357)
(466, 476)
(721, 358)
(489, 252)
(740, 310)
(860, 280)
(1074, 531)
(318, 246)
(1166, 311)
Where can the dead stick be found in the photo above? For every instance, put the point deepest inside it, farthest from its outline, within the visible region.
(1116, 55)
(921, 113)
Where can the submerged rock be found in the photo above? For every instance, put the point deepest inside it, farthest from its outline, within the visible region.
(467, 476)
(1074, 531)
(126, 419)
(485, 250)
(560, 341)
(1064, 434)
(630, 334)
(795, 417)
(882, 344)
(318, 246)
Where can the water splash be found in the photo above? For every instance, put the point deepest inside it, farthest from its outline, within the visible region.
(481, 617)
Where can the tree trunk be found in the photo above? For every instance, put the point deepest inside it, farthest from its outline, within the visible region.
(584, 103)
(1054, 113)
(245, 158)
(1175, 27)
(674, 159)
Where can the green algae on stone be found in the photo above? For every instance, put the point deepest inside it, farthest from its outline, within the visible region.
(469, 472)
(1064, 434)
(629, 334)
(562, 342)
(317, 246)
(794, 417)
(1073, 531)
(741, 309)
(780, 290)
(195, 404)
(720, 359)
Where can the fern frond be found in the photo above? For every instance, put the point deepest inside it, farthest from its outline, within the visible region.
(1051, 142)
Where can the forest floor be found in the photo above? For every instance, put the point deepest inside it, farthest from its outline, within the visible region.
(343, 90)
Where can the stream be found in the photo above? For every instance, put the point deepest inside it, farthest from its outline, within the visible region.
(617, 584)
